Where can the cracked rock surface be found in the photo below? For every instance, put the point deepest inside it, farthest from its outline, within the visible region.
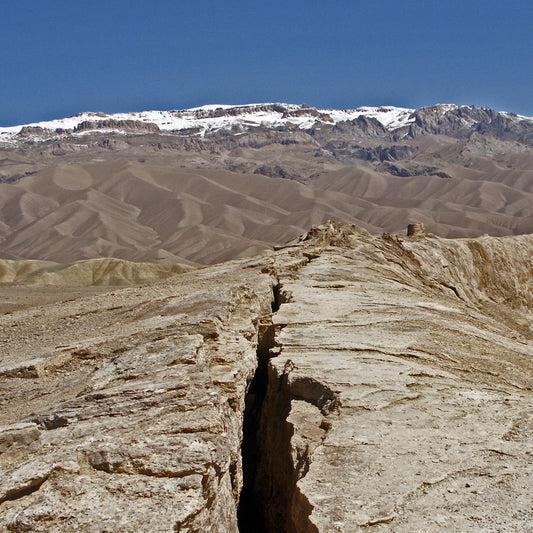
(432, 426)
(397, 394)
(123, 412)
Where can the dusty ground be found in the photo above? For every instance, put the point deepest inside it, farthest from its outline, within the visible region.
(18, 297)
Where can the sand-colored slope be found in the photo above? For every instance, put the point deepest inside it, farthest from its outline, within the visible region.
(151, 203)
(139, 212)
(86, 273)
(471, 202)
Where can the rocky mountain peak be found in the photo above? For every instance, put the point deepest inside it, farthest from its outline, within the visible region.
(463, 121)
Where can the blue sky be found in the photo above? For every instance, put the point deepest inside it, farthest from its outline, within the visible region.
(60, 57)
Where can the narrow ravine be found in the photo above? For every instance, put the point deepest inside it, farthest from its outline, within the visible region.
(249, 512)
(270, 500)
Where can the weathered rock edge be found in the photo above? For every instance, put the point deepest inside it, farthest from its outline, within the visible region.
(124, 412)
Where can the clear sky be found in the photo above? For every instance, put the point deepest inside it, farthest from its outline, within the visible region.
(63, 56)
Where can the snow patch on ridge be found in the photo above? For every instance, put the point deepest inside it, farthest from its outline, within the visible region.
(390, 117)
(214, 117)
(210, 118)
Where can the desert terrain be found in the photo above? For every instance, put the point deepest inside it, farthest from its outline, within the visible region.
(189, 343)
(234, 181)
(344, 382)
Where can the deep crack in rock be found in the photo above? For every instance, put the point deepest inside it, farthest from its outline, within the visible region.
(249, 512)
(274, 456)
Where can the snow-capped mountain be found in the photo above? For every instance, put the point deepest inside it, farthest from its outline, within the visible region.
(211, 118)
(201, 121)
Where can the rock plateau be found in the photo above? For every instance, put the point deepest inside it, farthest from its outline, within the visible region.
(343, 382)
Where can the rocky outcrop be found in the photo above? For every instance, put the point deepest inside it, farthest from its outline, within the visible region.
(238, 110)
(346, 151)
(416, 229)
(27, 131)
(306, 111)
(260, 137)
(226, 140)
(463, 121)
(359, 128)
(276, 171)
(122, 125)
(373, 383)
(410, 169)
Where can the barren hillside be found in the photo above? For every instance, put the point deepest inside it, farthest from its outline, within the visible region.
(211, 184)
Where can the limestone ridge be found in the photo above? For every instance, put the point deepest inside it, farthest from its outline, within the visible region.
(385, 121)
(373, 383)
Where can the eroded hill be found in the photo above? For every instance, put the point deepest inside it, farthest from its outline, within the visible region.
(211, 184)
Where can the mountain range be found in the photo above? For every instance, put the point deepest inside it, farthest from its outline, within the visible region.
(208, 184)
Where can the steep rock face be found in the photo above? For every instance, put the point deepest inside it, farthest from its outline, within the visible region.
(383, 384)
(38, 131)
(462, 121)
(259, 138)
(360, 128)
(122, 125)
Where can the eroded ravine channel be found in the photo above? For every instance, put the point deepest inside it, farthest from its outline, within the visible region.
(250, 512)
(270, 500)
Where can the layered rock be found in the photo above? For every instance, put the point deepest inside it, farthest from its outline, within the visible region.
(124, 412)
(121, 125)
(360, 128)
(383, 384)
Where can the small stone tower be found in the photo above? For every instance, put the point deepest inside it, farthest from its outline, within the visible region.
(415, 229)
